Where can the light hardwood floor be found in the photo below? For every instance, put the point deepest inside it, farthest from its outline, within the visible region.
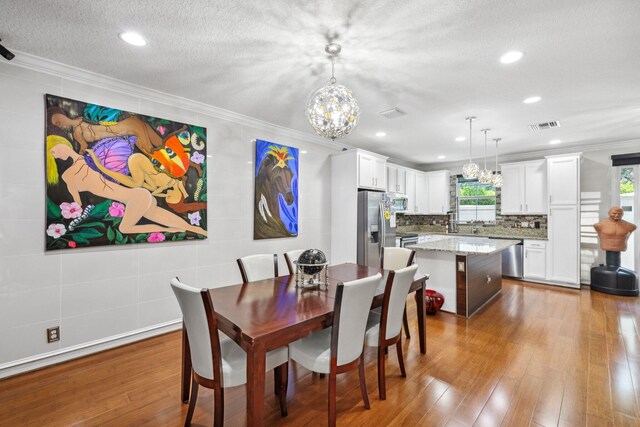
(536, 355)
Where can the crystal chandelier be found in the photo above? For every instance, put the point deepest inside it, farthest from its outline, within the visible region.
(470, 170)
(332, 110)
(486, 175)
(497, 178)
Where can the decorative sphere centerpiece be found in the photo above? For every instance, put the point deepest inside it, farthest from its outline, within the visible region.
(310, 266)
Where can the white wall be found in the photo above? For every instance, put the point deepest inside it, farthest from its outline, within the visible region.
(100, 294)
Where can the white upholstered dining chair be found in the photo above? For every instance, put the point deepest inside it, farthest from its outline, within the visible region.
(258, 267)
(340, 348)
(217, 361)
(394, 258)
(384, 326)
(290, 257)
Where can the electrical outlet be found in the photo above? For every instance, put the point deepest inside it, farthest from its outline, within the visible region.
(53, 334)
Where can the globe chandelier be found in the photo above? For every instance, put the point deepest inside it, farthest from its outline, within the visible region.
(497, 179)
(471, 169)
(486, 175)
(332, 110)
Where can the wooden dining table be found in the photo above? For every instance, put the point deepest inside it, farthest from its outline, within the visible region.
(264, 315)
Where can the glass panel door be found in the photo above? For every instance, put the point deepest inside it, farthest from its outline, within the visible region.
(627, 178)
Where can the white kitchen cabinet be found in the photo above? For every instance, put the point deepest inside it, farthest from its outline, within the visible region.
(401, 180)
(392, 179)
(525, 188)
(422, 195)
(563, 248)
(563, 172)
(535, 259)
(412, 206)
(371, 171)
(438, 192)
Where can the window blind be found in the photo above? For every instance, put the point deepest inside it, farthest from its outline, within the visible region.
(625, 159)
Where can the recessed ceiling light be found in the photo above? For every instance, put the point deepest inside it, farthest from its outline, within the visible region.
(441, 157)
(250, 163)
(303, 151)
(532, 100)
(381, 134)
(460, 139)
(133, 38)
(511, 57)
(555, 141)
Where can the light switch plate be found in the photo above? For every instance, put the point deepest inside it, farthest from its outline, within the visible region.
(461, 266)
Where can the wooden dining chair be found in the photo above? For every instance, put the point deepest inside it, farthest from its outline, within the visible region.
(290, 257)
(394, 258)
(217, 361)
(340, 348)
(258, 267)
(384, 327)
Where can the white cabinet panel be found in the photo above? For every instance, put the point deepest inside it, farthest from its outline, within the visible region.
(535, 193)
(379, 173)
(365, 171)
(563, 252)
(401, 180)
(535, 259)
(422, 196)
(438, 192)
(512, 190)
(563, 179)
(392, 179)
(411, 192)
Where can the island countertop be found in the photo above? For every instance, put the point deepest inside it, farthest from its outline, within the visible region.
(465, 245)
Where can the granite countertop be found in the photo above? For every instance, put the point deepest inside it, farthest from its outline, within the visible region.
(465, 245)
(532, 235)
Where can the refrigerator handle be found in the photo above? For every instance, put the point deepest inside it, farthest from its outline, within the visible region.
(382, 228)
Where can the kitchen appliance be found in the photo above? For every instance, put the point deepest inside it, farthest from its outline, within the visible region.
(512, 261)
(376, 226)
(400, 202)
(453, 222)
(408, 240)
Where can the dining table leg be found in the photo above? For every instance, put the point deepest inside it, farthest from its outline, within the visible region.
(420, 306)
(256, 361)
(185, 380)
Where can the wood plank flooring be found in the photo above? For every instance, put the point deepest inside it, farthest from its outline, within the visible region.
(535, 356)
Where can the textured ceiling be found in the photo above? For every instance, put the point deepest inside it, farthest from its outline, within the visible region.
(437, 60)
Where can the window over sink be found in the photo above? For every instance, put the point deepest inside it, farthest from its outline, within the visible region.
(475, 201)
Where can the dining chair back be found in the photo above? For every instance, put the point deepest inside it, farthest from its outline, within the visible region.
(258, 267)
(394, 258)
(290, 257)
(395, 297)
(219, 363)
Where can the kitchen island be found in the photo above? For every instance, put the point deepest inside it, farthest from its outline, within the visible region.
(466, 270)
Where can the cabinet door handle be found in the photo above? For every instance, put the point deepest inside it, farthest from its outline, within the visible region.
(526, 253)
(526, 207)
(520, 207)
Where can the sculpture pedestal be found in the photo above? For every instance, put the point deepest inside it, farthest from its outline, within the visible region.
(613, 279)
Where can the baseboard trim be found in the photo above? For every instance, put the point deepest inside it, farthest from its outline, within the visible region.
(47, 359)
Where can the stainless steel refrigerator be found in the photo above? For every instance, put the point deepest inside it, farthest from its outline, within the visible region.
(376, 226)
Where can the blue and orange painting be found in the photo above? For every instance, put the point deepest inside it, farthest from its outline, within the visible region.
(276, 191)
(115, 177)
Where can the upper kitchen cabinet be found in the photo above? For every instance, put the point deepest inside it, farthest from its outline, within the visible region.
(437, 192)
(396, 179)
(371, 171)
(525, 188)
(563, 173)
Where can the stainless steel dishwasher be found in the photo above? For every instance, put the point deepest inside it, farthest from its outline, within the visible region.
(512, 261)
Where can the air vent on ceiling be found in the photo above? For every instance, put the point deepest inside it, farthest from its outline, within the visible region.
(392, 113)
(543, 126)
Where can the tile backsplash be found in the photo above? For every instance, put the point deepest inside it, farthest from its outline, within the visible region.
(516, 225)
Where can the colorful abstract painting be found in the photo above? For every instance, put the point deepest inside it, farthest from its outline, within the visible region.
(276, 191)
(115, 177)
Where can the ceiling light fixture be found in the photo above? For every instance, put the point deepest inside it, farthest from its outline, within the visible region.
(532, 100)
(460, 139)
(497, 177)
(381, 134)
(485, 176)
(441, 157)
(470, 170)
(555, 141)
(511, 57)
(132, 38)
(332, 110)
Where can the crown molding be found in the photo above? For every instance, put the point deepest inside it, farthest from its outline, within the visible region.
(540, 154)
(80, 75)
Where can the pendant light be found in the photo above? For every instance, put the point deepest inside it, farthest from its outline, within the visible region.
(485, 176)
(470, 170)
(497, 178)
(332, 110)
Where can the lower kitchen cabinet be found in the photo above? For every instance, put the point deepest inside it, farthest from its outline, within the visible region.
(535, 259)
